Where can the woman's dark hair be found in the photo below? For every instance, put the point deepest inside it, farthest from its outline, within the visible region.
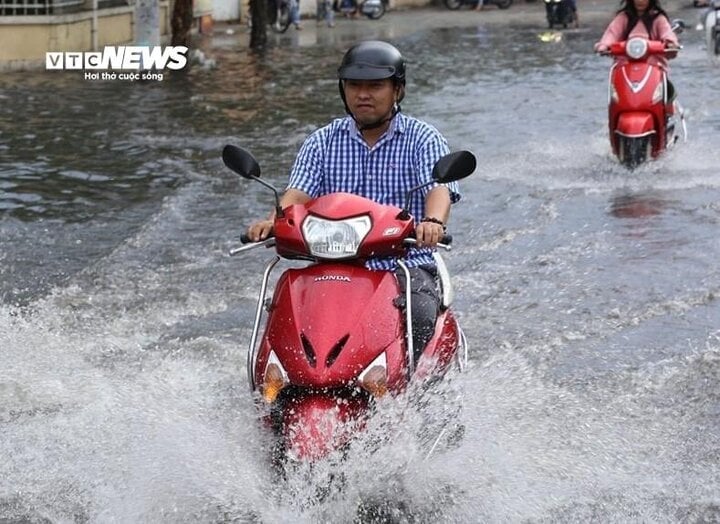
(653, 11)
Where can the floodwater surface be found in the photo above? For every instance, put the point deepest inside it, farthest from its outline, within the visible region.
(589, 293)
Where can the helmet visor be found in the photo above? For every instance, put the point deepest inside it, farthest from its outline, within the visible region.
(362, 71)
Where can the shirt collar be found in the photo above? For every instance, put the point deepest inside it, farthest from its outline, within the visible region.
(397, 125)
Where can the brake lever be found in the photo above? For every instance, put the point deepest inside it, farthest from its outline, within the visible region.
(439, 245)
(268, 242)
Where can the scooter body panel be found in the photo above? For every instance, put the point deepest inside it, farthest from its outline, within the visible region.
(328, 322)
(637, 105)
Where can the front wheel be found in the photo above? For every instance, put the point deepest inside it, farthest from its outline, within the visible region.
(634, 150)
(503, 4)
(717, 44)
(452, 4)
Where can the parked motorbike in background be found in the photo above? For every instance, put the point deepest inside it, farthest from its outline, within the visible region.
(373, 9)
(560, 12)
(336, 336)
(643, 119)
(711, 21)
(457, 4)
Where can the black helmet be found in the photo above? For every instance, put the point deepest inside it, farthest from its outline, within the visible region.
(372, 60)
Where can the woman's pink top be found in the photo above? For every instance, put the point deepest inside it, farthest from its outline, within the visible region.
(660, 30)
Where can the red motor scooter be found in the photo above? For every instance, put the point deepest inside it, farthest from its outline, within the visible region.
(336, 334)
(643, 121)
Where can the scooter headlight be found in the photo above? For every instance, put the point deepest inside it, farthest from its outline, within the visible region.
(373, 379)
(636, 48)
(335, 238)
(274, 379)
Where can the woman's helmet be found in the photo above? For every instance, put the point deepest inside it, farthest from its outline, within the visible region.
(372, 60)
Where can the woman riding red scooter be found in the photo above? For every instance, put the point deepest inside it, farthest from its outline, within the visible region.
(640, 18)
(642, 102)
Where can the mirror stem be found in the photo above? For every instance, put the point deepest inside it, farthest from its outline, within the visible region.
(278, 210)
(405, 213)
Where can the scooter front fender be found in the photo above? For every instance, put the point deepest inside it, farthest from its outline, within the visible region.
(316, 424)
(635, 124)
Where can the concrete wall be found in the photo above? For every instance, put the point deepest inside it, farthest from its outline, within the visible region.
(228, 10)
(24, 40)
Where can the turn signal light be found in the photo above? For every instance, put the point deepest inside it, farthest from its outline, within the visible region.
(658, 94)
(274, 379)
(374, 378)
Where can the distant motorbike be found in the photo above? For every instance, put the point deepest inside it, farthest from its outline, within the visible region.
(373, 9)
(643, 121)
(712, 27)
(278, 13)
(335, 338)
(457, 4)
(560, 12)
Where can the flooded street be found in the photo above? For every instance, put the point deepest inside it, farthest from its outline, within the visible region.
(589, 294)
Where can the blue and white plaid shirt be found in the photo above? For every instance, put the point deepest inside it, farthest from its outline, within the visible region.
(336, 158)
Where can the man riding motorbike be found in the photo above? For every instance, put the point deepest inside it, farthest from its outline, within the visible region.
(646, 19)
(379, 153)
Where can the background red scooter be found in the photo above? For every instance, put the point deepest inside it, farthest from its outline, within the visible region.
(643, 121)
(335, 337)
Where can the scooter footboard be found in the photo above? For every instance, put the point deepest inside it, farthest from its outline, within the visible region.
(635, 124)
(316, 424)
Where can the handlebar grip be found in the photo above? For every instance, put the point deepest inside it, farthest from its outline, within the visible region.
(444, 242)
(244, 239)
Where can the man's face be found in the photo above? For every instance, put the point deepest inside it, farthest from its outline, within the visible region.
(370, 100)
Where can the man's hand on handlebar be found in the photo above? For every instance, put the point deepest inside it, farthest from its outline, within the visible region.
(428, 234)
(260, 230)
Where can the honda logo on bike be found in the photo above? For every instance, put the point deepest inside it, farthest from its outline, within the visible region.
(391, 231)
(332, 278)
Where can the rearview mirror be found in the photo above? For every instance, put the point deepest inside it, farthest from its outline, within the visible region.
(678, 25)
(454, 166)
(244, 164)
(241, 162)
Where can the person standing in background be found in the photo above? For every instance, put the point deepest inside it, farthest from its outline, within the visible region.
(325, 12)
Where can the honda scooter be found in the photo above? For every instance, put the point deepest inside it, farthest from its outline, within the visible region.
(336, 337)
(560, 12)
(643, 119)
